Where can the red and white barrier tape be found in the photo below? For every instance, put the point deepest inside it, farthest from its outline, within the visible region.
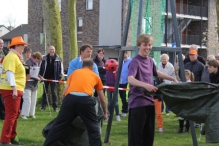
(64, 82)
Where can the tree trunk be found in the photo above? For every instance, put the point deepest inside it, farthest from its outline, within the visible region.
(53, 31)
(52, 25)
(72, 29)
(217, 9)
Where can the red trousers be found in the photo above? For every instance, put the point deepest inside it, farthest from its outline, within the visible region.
(159, 118)
(12, 111)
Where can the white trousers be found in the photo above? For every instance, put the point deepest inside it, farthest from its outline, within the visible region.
(29, 102)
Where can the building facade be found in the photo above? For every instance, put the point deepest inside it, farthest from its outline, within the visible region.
(197, 24)
(101, 22)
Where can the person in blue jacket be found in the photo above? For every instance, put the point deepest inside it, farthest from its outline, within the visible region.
(85, 52)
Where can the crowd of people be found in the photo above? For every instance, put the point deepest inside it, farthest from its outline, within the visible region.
(19, 84)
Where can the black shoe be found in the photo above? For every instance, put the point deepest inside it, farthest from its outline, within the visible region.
(56, 110)
(203, 131)
(42, 109)
(15, 142)
(186, 131)
(180, 131)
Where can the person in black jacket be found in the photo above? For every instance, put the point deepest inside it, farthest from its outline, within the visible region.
(3, 53)
(196, 68)
(100, 62)
(213, 68)
(200, 58)
(51, 68)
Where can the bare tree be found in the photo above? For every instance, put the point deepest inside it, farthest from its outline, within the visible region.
(10, 21)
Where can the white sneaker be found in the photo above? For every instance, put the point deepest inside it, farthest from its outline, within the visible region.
(23, 117)
(123, 114)
(160, 130)
(118, 118)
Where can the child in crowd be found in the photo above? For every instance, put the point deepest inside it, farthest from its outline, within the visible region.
(110, 81)
(213, 66)
(189, 78)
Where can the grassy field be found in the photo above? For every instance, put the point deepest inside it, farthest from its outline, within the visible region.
(29, 131)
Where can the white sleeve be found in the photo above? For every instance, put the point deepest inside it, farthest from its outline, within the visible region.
(10, 77)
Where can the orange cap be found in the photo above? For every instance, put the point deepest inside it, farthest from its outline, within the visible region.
(193, 52)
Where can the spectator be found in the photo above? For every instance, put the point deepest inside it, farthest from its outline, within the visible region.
(213, 68)
(189, 78)
(30, 91)
(27, 54)
(123, 83)
(110, 81)
(100, 62)
(85, 52)
(196, 68)
(11, 88)
(200, 58)
(167, 68)
(3, 53)
(51, 68)
(205, 73)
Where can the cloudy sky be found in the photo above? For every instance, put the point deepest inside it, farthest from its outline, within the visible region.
(15, 11)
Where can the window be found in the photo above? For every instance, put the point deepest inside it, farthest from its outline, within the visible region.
(79, 24)
(89, 4)
(0, 33)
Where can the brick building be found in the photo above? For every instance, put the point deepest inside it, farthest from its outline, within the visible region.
(101, 22)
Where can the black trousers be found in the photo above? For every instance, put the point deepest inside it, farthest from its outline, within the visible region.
(2, 108)
(141, 126)
(73, 106)
(53, 87)
(122, 94)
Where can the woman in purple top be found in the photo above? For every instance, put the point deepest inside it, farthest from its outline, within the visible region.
(141, 107)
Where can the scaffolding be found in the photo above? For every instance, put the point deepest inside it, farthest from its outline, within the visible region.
(152, 22)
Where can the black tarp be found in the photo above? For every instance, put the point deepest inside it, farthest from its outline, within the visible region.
(195, 101)
(76, 133)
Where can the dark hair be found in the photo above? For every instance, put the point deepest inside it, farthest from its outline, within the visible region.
(144, 38)
(213, 63)
(83, 47)
(87, 62)
(27, 49)
(100, 50)
(37, 55)
(12, 47)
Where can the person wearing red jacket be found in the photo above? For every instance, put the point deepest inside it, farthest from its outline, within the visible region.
(110, 81)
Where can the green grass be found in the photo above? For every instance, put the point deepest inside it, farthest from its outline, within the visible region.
(30, 131)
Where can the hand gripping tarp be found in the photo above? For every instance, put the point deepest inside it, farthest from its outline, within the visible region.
(197, 101)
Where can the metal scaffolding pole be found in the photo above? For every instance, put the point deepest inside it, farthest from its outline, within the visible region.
(176, 32)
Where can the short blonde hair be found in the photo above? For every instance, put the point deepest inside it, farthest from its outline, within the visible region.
(144, 38)
(164, 56)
